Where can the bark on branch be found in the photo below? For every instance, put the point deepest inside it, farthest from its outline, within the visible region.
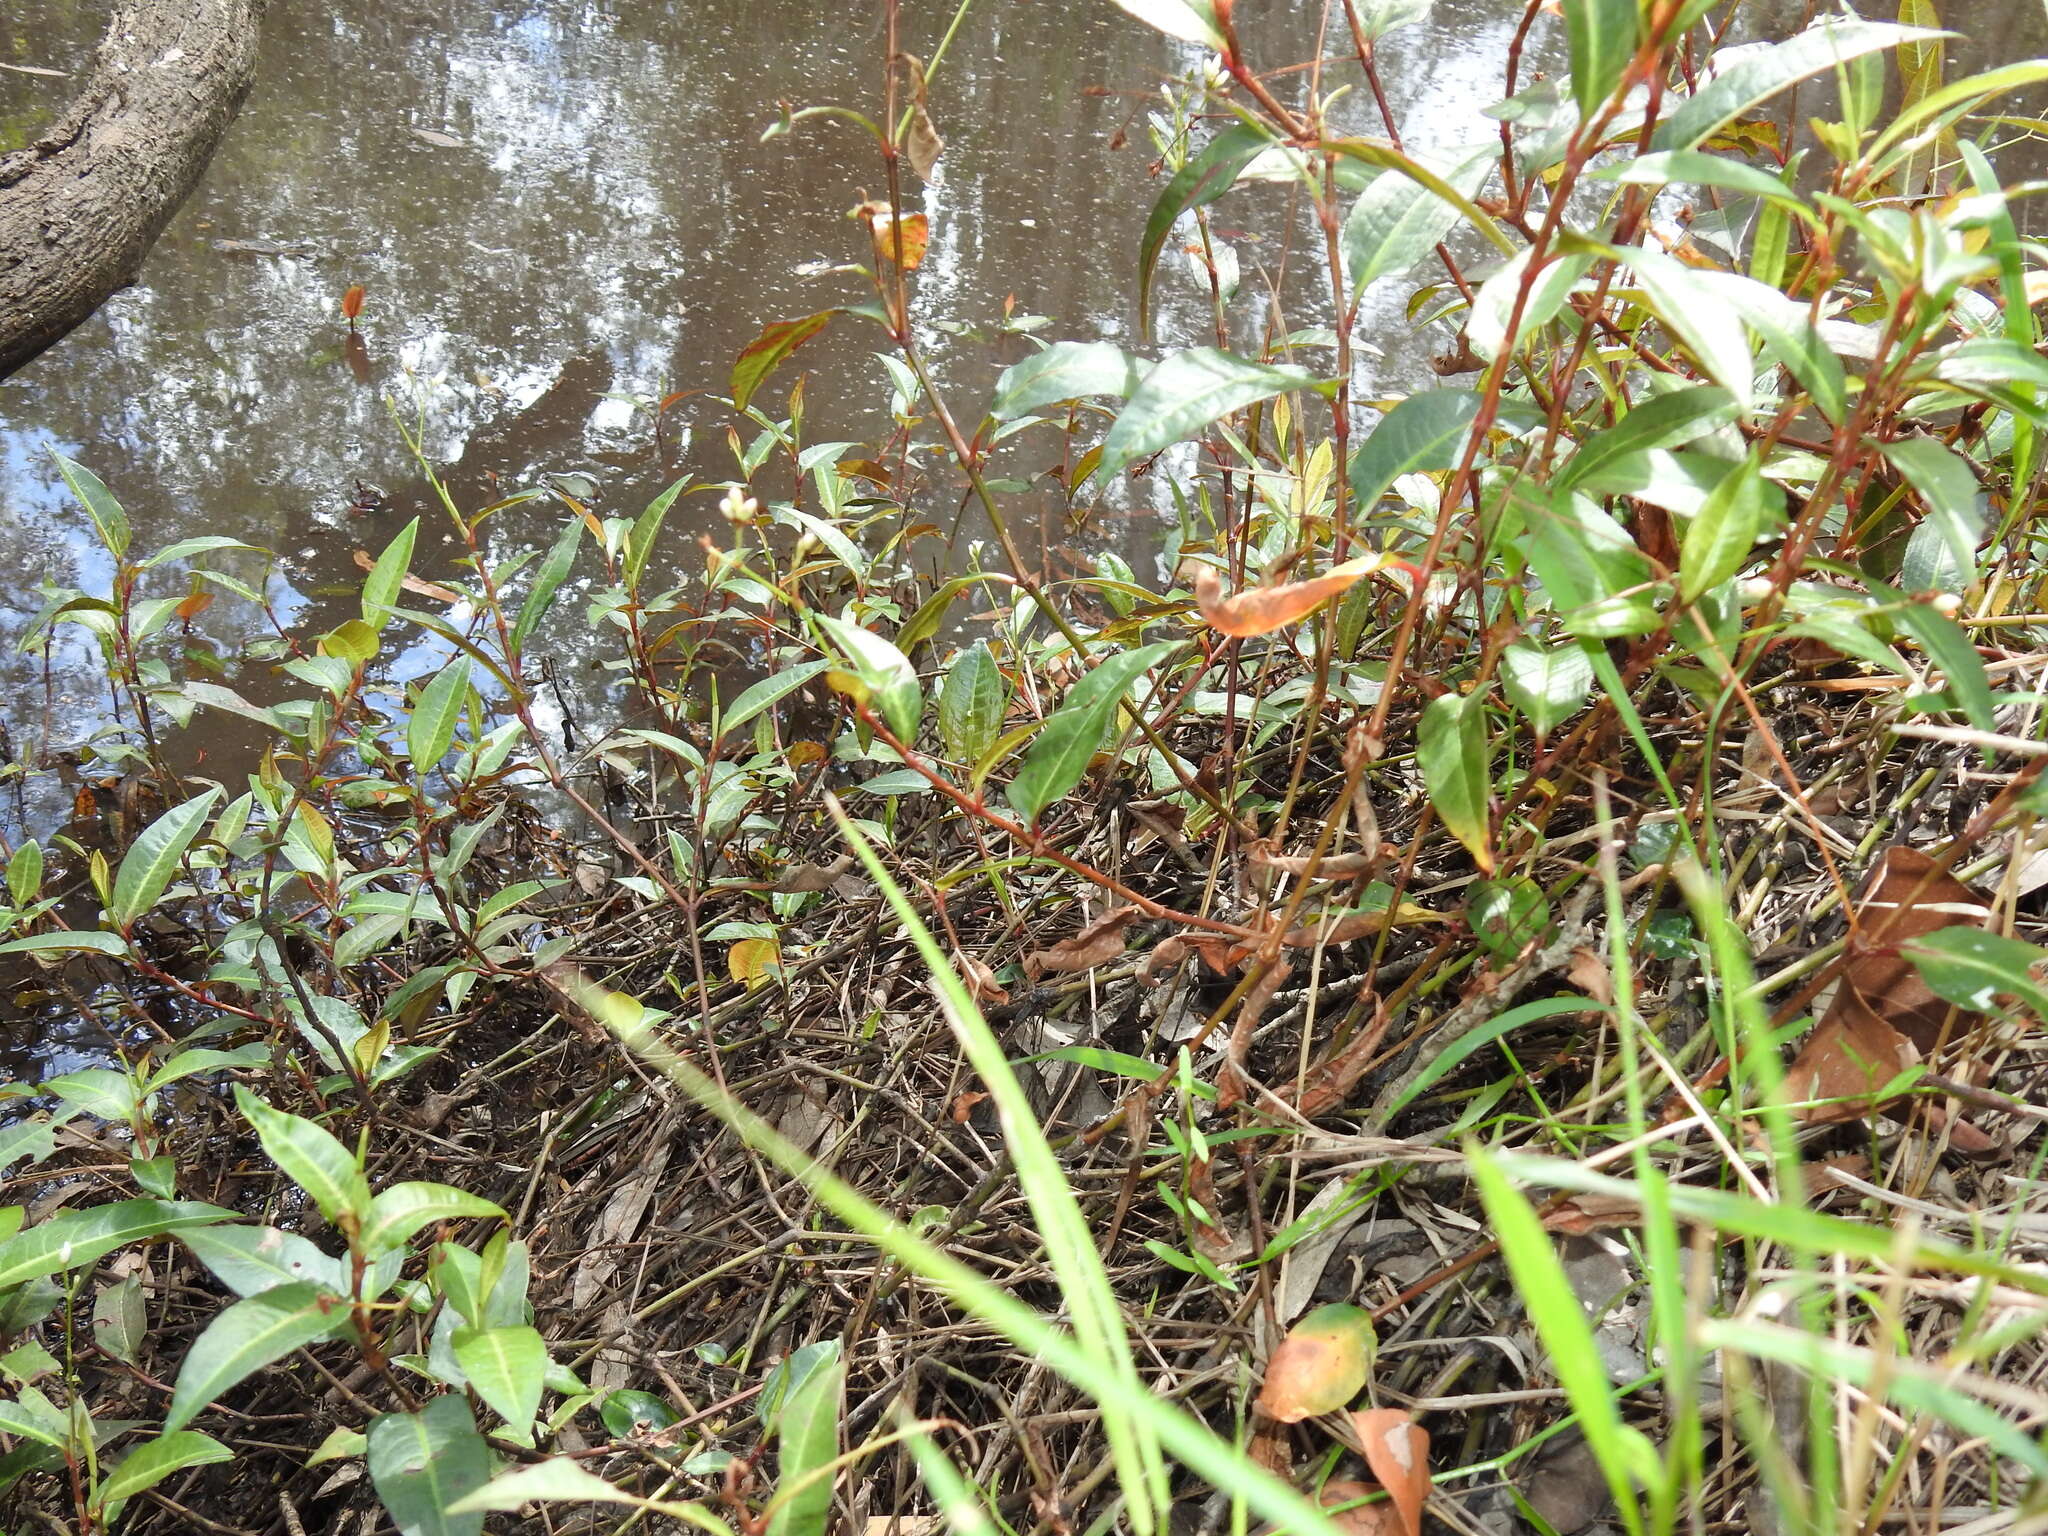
(81, 206)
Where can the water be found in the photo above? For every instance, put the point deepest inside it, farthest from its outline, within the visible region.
(563, 211)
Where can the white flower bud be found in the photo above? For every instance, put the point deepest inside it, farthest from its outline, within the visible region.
(1757, 588)
(1947, 604)
(738, 507)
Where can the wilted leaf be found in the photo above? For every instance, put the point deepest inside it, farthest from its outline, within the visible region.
(1097, 944)
(914, 230)
(1397, 1451)
(1320, 1366)
(1261, 610)
(922, 145)
(981, 981)
(352, 303)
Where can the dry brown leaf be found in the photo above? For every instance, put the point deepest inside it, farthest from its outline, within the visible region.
(1397, 1451)
(963, 1107)
(1590, 974)
(1908, 900)
(922, 145)
(1339, 866)
(1884, 1017)
(1380, 1519)
(1167, 954)
(1101, 941)
(1261, 610)
(1592, 1213)
(750, 960)
(806, 878)
(981, 981)
(1329, 1083)
(1231, 1081)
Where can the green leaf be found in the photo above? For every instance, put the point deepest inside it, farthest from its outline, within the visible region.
(1594, 575)
(1424, 432)
(1208, 174)
(1376, 18)
(1948, 489)
(1066, 370)
(75, 1239)
(99, 1091)
(556, 1480)
(185, 548)
(769, 691)
(1397, 221)
(252, 1260)
(1192, 21)
(311, 1158)
(1603, 36)
(1506, 916)
(1664, 421)
(248, 1336)
(553, 572)
(119, 1323)
(152, 860)
(1972, 969)
(1951, 649)
(430, 732)
(1186, 393)
(401, 1210)
(507, 1367)
(1493, 307)
(640, 541)
(354, 641)
(1720, 539)
(1074, 733)
(107, 517)
(1547, 684)
(1466, 1045)
(761, 356)
(1694, 310)
(422, 1463)
(25, 873)
(807, 1437)
(883, 670)
(1758, 76)
(28, 1422)
(153, 1461)
(1696, 168)
(1452, 749)
(972, 700)
(72, 941)
(1561, 1325)
(1788, 336)
(387, 577)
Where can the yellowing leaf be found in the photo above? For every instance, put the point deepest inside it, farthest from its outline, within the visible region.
(750, 960)
(914, 229)
(1320, 1366)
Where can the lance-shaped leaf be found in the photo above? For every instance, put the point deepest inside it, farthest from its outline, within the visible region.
(554, 570)
(1192, 21)
(423, 1463)
(807, 1441)
(1397, 221)
(311, 1158)
(506, 1366)
(1758, 76)
(1187, 392)
(153, 859)
(248, 1336)
(972, 700)
(1452, 748)
(1066, 370)
(1603, 35)
(153, 1461)
(387, 577)
(886, 673)
(1425, 432)
(1948, 489)
(75, 1239)
(402, 1209)
(108, 518)
(1074, 733)
(430, 732)
(1722, 534)
(1210, 173)
(761, 356)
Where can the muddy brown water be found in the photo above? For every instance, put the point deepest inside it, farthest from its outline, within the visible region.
(564, 210)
